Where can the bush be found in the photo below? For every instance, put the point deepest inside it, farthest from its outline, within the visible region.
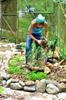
(14, 67)
(36, 75)
(14, 70)
(1, 90)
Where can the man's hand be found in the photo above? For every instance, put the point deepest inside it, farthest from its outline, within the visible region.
(39, 42)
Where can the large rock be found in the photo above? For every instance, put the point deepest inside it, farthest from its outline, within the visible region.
(9, 82)
(4, 75)
(4, 83)
(52, 82)
(64, 66)
(29, 83)
(63, 80)
(22, 83)
(52, 89)
(41, 86)
(16, 86)
(47, 70)
(61, 96)
(30, 88)
(62, 87)
(15, 80)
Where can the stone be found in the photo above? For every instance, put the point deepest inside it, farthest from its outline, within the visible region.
(47, 70)
(16, 86)
(61, 96)
(1, 64)
(21, 83)
(41, 86)
(52, 82)
(9, 82)
(4, 75)
(56, 64)
(62, 87)
(30, 88)
(13, 50)
(29, 83)
(63, 80)
(56, 53)
(4, 82)
(15, 80)
(4, 45)
(64, 66)
(52, 89)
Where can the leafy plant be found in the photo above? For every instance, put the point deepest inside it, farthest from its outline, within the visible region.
(1, 90)
(65, 75)
(18, 58)
(14, 70)
(14, 67)
(35, 56)
(36, 75)
(62, 54)
(19, 46)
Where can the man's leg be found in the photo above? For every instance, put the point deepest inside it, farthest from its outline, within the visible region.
(38, 48)
(28, 48)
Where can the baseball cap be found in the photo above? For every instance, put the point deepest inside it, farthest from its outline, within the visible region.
(40, 19)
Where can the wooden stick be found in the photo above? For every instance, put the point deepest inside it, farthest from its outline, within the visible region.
(34, 68)
(13, 33)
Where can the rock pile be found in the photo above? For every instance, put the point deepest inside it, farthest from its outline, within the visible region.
(28, 90)
(48, 86)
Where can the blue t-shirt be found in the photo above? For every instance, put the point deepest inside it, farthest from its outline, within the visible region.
(36, 30)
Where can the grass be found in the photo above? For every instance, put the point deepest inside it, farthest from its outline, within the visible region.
(64, 75)
(14, 67)
(36, 75)
(14, 70)
(1, 90)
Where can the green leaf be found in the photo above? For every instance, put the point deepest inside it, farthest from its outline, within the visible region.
(1, 90)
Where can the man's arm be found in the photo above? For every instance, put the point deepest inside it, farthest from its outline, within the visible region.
(30, 32)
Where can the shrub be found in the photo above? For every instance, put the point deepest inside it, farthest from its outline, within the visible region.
(14, 70)
(36, 75)
(14, 67)
(1, 90)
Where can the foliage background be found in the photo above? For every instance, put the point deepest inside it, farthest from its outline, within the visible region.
(51, 9)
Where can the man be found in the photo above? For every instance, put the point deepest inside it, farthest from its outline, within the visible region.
(35, 34)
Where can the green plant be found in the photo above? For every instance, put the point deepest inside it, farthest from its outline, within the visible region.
(14, 70)
(65, 75)
(1, 90)
(63, 54)
(14, 66)
(36, 75)
(35, 55)
(19, 46)
(17, 58)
